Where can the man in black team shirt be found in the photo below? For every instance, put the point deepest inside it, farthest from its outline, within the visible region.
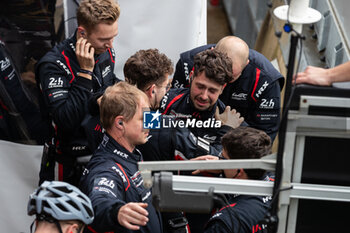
(69, 75)
(111, 179)
(199, 104)
(212, 71)
(242, 213)
(196, 104)
(255, 88)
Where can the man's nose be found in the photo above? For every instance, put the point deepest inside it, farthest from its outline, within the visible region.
(204, 94)
(109, 44)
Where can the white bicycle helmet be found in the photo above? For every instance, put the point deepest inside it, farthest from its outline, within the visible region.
(61, 201)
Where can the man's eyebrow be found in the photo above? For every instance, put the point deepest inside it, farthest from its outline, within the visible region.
(108, 38)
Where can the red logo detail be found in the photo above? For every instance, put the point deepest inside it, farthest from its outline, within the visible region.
(256, 228)
(98, 128)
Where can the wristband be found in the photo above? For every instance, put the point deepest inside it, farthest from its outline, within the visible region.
(86, 72)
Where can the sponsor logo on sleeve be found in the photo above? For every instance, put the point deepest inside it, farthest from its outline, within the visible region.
(106, 182)
(239, 96)
(4, 64)
(57, 94)
(103, 184)
(266, 117)
(55, 82)
(106, 190)
(120, 173)
(106, 71)
(267, 104)
(262, 89)
(63, 66)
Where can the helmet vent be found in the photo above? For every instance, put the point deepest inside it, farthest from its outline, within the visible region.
(73, 204)
(64, 189)
(88, 210)
(60, 206)
(45, 204)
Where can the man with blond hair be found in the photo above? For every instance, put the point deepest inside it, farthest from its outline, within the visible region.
(112, 179)
(68, 75)
(255, 88)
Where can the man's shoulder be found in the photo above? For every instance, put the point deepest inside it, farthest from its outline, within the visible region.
(258, 61)
(57, 56)
(189, 54)
(174, 95)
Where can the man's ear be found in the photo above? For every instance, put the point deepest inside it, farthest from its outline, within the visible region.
(191, 76)
(81, 32)
(119, 122)
(150, 91)
(72, 228)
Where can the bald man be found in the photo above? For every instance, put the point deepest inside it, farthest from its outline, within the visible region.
(255, 88)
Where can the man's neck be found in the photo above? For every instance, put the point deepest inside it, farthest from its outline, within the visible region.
(44, 227)
(121, 140)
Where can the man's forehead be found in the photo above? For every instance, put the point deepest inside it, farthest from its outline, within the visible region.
(205, 81)
(105, 30)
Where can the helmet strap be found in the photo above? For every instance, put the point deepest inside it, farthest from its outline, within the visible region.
(31, 226)
(58, 226)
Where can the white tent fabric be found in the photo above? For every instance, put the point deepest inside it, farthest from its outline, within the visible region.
(172, 26)
(19, 172)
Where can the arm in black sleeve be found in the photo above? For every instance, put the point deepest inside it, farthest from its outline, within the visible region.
(190, 146)
(217, 227)
(266, 114)
(106, 191)
(65, 97)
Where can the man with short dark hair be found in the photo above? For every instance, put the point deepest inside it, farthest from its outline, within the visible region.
(68, 75)
(199, 104)
(149, 70)
(212, 71)
(112, 179)
(242, 212)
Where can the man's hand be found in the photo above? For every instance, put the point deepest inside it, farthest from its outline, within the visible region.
(206, 157)
(85, 54)
(133, 215)
(229, 117)
(315, 76)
